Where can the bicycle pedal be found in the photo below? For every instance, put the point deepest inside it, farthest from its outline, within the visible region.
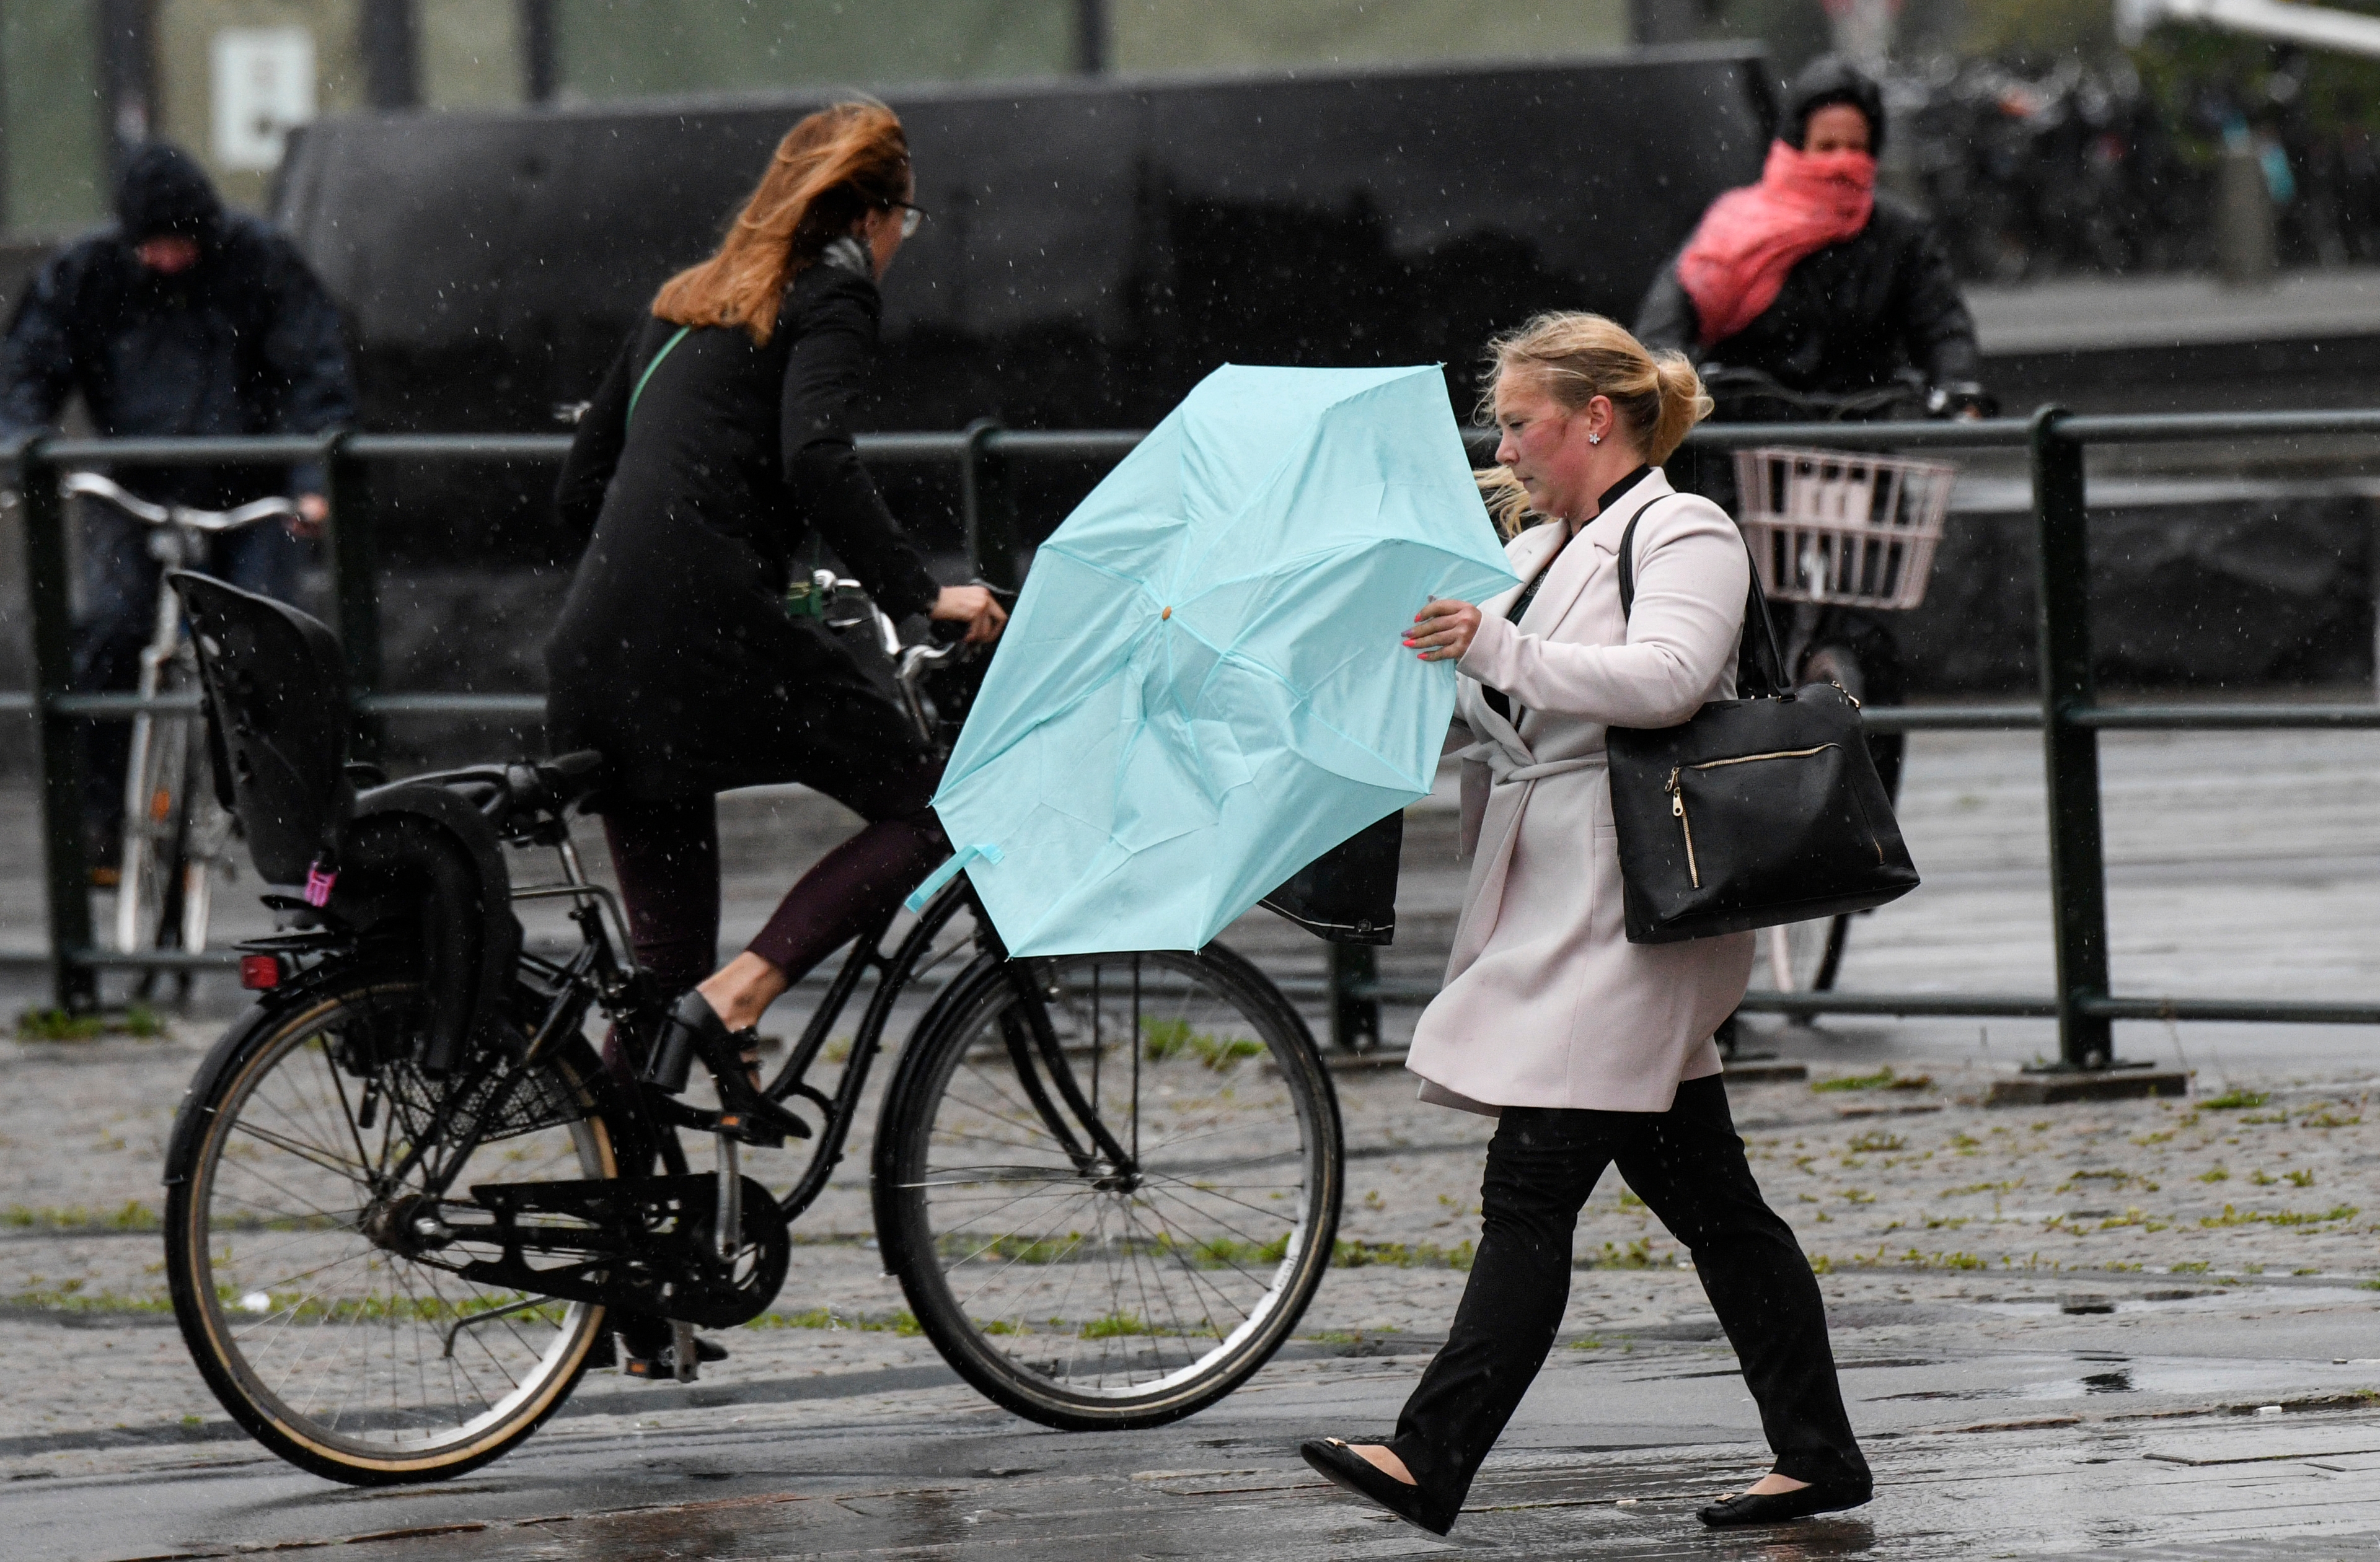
(761, 1133)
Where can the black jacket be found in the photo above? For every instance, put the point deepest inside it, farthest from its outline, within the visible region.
(1849, 315)
(245, 341)
(673, 654)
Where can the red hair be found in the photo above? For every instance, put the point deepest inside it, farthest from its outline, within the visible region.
(831, 169)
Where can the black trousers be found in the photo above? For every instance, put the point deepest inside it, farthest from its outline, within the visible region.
(1686, 1164)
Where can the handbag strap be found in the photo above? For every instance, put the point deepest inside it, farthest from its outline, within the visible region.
(648, 375)
(1755, 606)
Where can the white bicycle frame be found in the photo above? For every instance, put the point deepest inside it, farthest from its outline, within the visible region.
(175, 535)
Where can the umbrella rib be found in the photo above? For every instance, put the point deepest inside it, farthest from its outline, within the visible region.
(1221, 532)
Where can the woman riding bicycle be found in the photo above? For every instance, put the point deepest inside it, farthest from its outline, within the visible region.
(718, 448)
(1813, 277)
(1812, 296)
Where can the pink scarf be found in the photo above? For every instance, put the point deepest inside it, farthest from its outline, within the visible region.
(1735, 264)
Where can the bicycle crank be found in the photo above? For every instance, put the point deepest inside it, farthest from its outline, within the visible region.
(641, 1244)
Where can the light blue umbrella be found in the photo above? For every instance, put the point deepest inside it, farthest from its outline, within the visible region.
(1202, 689)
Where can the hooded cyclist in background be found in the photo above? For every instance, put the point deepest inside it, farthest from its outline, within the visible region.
(185, 318)
(1813, 277)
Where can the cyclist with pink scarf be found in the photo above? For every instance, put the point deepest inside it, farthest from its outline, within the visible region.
(1813, 276)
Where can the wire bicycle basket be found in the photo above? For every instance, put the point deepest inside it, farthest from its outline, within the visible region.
(1839, 527)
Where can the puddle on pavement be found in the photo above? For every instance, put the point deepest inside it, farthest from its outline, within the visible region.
(2181, 1298)
(2222, 1382)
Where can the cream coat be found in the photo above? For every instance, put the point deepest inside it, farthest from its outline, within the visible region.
(1547, 1003)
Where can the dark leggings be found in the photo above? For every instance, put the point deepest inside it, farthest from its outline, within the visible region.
(667, 859)
(666, 856)
(1688, 1167)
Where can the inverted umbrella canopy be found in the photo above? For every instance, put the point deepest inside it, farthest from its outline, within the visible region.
(1202, 688)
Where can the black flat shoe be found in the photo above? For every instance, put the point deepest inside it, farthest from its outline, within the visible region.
(695, 1030)
(1778, 1508)
(1346, 1467)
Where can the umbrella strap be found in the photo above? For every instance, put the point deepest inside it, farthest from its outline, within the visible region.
(948, 871)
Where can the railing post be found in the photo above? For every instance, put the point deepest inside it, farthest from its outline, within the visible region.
(66, 866)
(989, 507)
(2078, 877)
(1354, 1020)
(355, 584)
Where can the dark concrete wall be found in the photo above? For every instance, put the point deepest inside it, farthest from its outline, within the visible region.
(2237, 594)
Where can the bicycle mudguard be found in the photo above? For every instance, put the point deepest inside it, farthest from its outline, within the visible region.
(880, 1169)
(190, 1116)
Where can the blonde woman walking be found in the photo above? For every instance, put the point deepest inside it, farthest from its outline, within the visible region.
(1593, 1051)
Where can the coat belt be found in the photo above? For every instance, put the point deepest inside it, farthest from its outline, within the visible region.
(1507, 771)
(1499, 769)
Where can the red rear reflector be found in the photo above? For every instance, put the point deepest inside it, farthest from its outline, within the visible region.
(259, 971)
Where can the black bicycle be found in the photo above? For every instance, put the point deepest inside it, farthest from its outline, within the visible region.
(399, 1211)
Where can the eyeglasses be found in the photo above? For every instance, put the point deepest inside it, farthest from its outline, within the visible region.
(912, 218)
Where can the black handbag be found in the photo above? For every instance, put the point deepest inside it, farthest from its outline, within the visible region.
(1755, 811)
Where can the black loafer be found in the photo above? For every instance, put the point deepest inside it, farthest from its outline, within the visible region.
(695, 1030)
(1780, 1508)
(1348, 1469)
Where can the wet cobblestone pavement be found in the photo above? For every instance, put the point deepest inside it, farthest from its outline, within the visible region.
(2057, 1325)
(2016, 1294)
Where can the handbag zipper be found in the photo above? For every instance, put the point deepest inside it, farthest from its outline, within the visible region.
(1677, 796)
(1678, 812)
(1748, 759)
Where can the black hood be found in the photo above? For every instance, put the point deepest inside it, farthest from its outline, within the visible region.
(1830, 78)
(164, 190)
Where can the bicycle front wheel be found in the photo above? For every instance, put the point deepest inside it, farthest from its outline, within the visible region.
(314, 1276)
(1109, 1184)
(1801, 956)
(206, 854)
(156, 801)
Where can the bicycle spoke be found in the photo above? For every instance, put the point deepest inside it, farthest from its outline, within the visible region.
(303, 1152)
(1191, 1275)
(1146, 1266)
(345, 1335)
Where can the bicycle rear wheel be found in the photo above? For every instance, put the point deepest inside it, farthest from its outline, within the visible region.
(312, 1284)
(1109, 1184)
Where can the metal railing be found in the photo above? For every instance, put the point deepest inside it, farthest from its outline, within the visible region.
(2068, 713)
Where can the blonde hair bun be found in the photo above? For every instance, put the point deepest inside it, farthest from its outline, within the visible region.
(1578, 356)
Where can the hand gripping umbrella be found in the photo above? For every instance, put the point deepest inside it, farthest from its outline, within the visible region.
(1202, 688)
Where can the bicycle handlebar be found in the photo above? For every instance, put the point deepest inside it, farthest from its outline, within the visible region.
(1908, 389)
(1723, 379)
(91, 485)
(910, 663)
